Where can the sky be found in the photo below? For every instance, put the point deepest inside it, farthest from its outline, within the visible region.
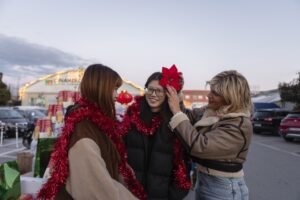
(258, 38)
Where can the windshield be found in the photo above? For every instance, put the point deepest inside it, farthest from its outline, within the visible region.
(35, 113)
(262, 114)
(44, 111)
(9, 114)
(293, 115)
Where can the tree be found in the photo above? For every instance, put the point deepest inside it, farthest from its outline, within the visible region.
(4, 96)
(4, 92)
(290, 92)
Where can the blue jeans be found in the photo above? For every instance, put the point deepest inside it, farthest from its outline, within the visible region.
(220, 188)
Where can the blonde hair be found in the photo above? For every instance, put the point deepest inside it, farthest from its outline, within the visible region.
(234, 88)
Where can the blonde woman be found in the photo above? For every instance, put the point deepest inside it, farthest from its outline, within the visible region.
(218, 142)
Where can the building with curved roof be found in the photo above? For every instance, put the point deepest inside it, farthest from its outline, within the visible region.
(43, 91)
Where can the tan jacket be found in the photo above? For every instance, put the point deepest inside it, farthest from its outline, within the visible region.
(222, 138)
(93, 167)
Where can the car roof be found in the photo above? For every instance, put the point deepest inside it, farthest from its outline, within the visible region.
(272, 110)
(5, 108)
(262, 105)
(29, 107)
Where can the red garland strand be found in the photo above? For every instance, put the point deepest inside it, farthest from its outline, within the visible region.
(134, 118)
(59, 157)
(180, 172)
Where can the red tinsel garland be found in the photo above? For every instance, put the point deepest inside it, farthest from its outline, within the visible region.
(134, 118)
(59, 157)
(180, 172)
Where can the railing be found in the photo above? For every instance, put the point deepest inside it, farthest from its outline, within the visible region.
(2, 126)
(17, 136)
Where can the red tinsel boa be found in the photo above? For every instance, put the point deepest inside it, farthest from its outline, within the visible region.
(59, 156)
(180, 172)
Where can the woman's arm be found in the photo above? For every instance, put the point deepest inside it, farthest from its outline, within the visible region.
(88, 176)
(220, 142)
(216, 143)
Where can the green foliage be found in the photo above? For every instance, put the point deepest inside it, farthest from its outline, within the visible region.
(4, 96)
(290, 92)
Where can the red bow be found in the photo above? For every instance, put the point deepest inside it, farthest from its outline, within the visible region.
(171, 77)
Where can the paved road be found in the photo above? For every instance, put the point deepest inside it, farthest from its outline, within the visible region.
(272, 169)
(9, 149)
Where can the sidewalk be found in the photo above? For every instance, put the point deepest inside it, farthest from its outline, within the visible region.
(8, 151)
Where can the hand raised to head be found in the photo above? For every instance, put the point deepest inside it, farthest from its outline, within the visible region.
(173, 99)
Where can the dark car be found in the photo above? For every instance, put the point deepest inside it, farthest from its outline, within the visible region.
(260, 106)
(31, 114)
(39, 108)
(290, 126)
(12, 118)
(268, 120)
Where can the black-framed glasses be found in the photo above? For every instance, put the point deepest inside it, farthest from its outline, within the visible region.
(158, 92)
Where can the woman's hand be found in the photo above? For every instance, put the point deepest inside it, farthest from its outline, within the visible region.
(173, 99)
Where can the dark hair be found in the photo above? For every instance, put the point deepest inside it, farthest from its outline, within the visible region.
(156, 76)
(98, 84)
(165, 112)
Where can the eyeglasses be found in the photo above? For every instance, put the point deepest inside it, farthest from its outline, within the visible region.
(158, 92)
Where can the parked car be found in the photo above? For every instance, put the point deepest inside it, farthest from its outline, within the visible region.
(39, 108)
(290, 126)
(11, 117)
(31, 114)
(261, 105)
(268, 120)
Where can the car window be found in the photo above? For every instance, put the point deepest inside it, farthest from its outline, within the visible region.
(9, 114)
(263, 114)
(282, 114)
(44, 111)
(21, 112)
(37, 114)
(293, 115)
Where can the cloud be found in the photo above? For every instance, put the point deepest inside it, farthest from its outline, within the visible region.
(20, 58)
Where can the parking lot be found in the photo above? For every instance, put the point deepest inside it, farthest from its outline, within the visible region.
(10, 148)
(271, 171)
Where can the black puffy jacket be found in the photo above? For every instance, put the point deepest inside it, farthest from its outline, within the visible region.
(151, 157)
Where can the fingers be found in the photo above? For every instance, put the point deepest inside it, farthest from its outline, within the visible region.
(171, 90)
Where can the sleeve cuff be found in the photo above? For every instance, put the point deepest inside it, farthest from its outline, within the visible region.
(177, 119)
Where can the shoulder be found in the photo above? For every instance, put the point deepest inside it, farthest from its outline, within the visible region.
(240, 124)
(237, 120)
(85, 129)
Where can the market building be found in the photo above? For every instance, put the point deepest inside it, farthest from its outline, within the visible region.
(44, 91)
(195, 98)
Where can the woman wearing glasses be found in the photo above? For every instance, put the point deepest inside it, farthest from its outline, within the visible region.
(154, 154)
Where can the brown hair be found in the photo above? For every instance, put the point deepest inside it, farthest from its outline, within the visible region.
(98, 84)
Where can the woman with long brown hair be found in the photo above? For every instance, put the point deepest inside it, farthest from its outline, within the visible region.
(86, 158)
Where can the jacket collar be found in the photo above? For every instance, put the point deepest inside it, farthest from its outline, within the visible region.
(211, 117)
